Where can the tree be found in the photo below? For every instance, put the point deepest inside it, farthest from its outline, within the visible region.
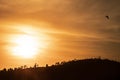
(35, 65)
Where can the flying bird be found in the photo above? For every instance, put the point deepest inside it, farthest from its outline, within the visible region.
(107, 17)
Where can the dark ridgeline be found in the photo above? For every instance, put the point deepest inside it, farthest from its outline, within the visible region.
(87, 69)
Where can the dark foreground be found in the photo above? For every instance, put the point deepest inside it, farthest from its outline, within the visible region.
(88, 69)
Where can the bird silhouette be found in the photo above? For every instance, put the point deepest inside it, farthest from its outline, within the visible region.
(107, 17)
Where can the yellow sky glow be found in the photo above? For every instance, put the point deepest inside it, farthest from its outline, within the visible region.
(49, 31)
(28, 43)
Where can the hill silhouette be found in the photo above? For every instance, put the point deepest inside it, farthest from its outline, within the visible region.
(87, 69)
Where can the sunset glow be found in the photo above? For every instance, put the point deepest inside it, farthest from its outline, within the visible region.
(50, 31)
(27, 43)
(26, 46)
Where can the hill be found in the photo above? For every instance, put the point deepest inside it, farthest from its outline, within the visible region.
(87, 69)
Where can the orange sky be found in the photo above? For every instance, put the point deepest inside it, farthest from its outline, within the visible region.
(68, 29)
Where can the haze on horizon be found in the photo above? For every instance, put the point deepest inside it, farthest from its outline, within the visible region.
(63, 30)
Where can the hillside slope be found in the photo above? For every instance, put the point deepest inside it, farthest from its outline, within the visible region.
(87, 69)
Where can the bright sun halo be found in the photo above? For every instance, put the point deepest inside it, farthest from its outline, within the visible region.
(28, 43)
(26, 46)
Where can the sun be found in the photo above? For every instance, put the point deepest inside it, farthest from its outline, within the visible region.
(28, 41)
(26, 46)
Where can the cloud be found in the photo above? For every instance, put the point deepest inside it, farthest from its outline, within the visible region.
(83, 18)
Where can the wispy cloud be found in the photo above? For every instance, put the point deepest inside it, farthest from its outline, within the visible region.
(82, 22)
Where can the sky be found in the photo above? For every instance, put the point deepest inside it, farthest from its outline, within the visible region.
(66, 29)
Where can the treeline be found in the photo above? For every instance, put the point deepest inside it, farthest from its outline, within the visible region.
(87, 69)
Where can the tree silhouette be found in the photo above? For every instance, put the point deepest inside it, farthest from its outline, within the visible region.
(87, 69)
